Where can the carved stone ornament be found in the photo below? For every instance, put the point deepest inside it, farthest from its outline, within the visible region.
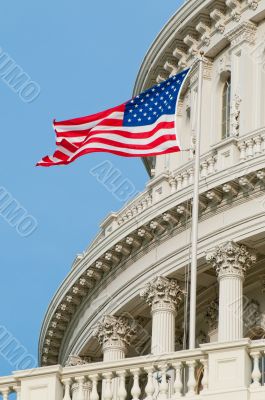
(74, 360)
(211, 315)
(244, 32)
(162, 293)
(235, 115)
(115, 331)
(231, 259)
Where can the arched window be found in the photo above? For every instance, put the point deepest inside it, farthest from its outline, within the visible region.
(226, 105)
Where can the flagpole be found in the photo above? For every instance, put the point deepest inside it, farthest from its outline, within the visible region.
(195, 213)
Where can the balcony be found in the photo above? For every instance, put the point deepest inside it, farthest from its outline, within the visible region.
(232, 370)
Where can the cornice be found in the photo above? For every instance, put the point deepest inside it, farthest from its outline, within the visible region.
(84, 279)
(197, 25)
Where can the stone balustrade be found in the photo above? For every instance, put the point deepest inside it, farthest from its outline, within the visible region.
(223, 370)
(174, 375)
(252, 145)
(226, 154)
(257, 354)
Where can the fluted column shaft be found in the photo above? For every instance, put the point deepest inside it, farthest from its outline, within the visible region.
(230, 308)
(164, 296)
(114, 353)
(163, 329)
(231, 262)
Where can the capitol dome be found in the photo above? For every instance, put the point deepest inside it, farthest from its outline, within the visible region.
(118, 325)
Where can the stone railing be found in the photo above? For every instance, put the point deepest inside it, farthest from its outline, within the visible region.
(257, 353)
(222, 370)
(176, 375)
(225, 155)
(252, 145)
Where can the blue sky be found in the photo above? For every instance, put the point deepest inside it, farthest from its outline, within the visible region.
(84, 55)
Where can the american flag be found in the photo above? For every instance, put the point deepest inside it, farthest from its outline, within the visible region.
(144, 126)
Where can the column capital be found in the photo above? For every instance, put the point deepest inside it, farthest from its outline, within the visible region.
(162, 294)
(231, 259)
(115, 332)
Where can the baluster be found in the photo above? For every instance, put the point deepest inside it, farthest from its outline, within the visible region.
(242, 148)
(179, 181)
(107, 393)
(17, 389)
(144, 203)
(258, 141)
(134, 210)
(249, 144)
(94, 392)
(185, 176)
(178, 384)
(149, 200)
(173, 184)
(191, 176)
(256, 374)
(262, 143)
(67, 388)
(87, 390)
(211, 163)
(191, 380)
(129, 214)
(163, 387)
(80, 390)
(204, 169)
(136, 390)
(205, 374)
(5, 392)
(149, 389)
(122, 392)
(139, 207)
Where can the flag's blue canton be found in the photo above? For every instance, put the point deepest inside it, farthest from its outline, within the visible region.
(161, 99)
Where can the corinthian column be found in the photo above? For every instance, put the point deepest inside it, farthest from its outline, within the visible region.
(115, 335)
(164, 296)
(231, 262)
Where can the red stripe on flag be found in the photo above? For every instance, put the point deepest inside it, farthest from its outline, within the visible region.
(90, 118)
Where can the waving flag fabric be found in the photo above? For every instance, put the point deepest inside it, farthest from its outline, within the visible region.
(143, 126)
